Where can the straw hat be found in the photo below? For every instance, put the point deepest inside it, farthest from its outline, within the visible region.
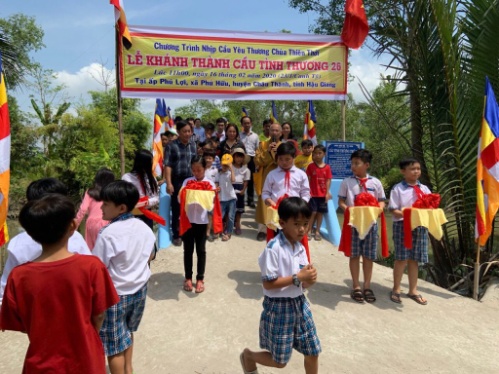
(240, 150)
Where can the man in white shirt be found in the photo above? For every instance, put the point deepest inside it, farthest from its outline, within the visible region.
(250, 141)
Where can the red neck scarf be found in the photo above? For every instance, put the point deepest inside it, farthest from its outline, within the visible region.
(287, 180)
(362, 184)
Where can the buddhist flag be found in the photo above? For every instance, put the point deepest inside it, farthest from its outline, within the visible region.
(309, 126)
(4, 158)
(273, 113)
(168, 118)
(244, 113)
(120, 19)
(157, 147)
(355, 27)
(487, 168)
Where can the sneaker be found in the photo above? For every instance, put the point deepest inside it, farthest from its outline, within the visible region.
(261, 236)
(177, 242)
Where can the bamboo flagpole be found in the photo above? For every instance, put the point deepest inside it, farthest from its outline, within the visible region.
(120, 102)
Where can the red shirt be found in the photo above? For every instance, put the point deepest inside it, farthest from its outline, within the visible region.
(318, 179)
(53, 302)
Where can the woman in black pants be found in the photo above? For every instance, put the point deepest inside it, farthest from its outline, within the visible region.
(177, 162)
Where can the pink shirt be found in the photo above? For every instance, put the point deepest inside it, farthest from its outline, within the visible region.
(94, 221)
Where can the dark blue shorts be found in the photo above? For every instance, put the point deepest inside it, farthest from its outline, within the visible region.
(318, 204)
(419, 250)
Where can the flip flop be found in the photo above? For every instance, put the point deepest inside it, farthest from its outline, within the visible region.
(369, 295)
(241, 358)
(199, 286)
(418, 298)
(395, 297)
(188, 285)
(318, 237)
(357, 296)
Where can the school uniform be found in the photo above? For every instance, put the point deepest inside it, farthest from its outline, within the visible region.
(349, 189)
(286, 321)
(402, 196)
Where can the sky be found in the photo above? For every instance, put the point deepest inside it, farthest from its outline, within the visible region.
(79, 36)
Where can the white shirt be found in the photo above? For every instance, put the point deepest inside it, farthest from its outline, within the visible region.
(350, 188)
(250, 142)
(282, 259)
(241, 174)
(274, 186)
(226, 189)
(124, 247)
(134, 179)
(22, 248)
(403, 196)
(195, 212)
(212, 174)
(220, 136)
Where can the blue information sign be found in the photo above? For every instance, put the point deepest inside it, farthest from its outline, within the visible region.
(338, 157)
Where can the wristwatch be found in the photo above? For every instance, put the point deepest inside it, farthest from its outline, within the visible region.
(296, 281)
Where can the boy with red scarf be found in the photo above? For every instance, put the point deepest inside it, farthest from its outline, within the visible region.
(350, 188)
(403, 195)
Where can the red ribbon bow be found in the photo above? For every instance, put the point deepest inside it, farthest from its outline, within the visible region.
(424, 201)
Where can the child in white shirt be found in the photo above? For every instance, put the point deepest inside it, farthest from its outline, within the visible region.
(227, 195)
(242, 175)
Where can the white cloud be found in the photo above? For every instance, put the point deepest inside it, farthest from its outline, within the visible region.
(88, 78)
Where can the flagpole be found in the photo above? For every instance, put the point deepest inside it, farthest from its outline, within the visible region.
(476, 276)
(118, 97)
(343, 119)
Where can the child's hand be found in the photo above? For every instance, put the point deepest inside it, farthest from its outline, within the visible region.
(142, 204)
(218, 189)
(308, 274)
(328, 196)
(241, 192)
(269, 202)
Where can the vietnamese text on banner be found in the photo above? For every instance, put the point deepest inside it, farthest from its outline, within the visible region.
(194, 64)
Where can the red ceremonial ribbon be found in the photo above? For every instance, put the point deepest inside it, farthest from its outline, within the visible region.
(151, 215)
(424, 201)
(362, 199)
(217, 210)
(271, 233)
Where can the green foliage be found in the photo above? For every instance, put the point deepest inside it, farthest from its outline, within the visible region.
(19, 36)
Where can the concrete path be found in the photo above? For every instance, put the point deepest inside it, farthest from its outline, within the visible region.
(193, 334)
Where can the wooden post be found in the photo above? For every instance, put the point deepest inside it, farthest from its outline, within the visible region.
(119, 102)
(343, 119)
(476, 277)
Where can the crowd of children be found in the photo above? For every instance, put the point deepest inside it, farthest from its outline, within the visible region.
(106, 299)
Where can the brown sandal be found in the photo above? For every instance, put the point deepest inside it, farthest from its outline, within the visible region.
(199, 286)
(225, 237)
(188, 285)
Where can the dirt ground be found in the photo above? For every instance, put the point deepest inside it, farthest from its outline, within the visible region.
(204, 334)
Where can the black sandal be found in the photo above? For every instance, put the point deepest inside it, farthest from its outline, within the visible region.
(357, 296)
(369, 295)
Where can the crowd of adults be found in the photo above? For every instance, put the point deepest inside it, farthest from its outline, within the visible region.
(190, 137)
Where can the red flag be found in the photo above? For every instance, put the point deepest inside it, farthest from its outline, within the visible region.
(355, 27)
(120, 18)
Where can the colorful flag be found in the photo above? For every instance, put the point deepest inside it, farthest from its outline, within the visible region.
(310, 120)
(355, 27)
(157, 146)
(120, 19)
(4, 158)
(273, 113)
(487, 168)
(168, 118)
(244, 113)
